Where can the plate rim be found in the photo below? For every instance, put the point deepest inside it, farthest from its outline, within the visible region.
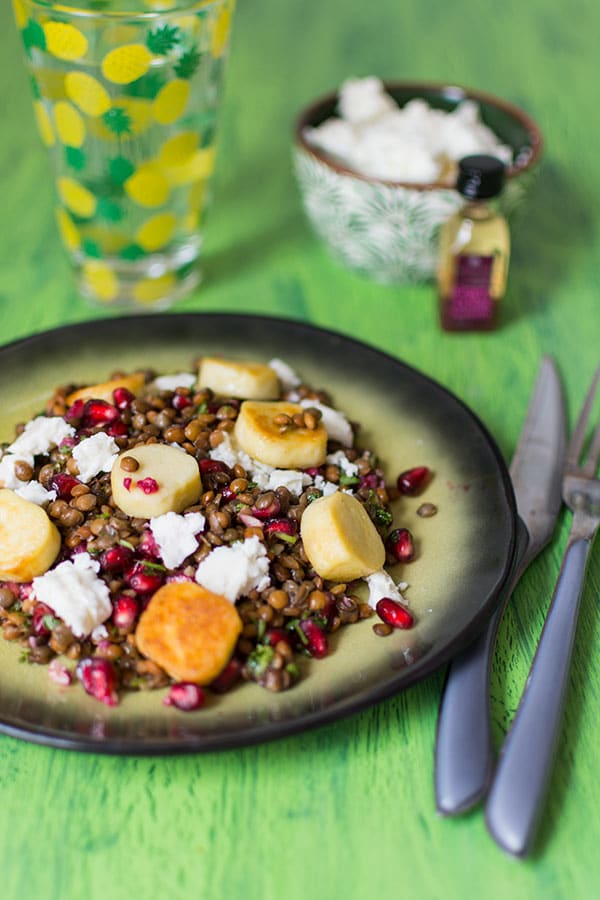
(343, 708)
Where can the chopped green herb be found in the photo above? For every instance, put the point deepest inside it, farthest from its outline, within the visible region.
(260, 659)
(346, 480)
(149, 566)
(50, 622)
(286, 538)
(383, 516)
(124, 543)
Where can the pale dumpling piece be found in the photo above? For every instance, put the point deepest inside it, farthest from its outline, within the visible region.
(260, 434)
(340, 540)
(104, 391)
(154, 479)
(29, 541)
(245, 380)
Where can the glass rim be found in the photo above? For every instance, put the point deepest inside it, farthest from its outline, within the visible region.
(70, 8)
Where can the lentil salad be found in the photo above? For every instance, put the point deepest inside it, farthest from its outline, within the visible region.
(289, 616)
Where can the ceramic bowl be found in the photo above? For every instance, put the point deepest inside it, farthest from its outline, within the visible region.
(388, 231)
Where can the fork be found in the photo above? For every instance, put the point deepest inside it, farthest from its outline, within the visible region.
(525, 765)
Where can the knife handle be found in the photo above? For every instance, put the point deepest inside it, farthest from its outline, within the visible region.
(463, 749)
(527, 758)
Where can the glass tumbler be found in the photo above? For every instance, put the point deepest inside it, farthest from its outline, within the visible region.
(126, 98)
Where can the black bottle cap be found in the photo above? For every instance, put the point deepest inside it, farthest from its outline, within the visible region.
(480, 177)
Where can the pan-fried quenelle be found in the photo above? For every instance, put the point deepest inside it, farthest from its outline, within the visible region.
(192, 530)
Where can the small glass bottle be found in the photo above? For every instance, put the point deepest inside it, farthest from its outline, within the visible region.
(474, 250)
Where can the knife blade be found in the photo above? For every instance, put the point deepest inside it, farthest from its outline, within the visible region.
(463, 751)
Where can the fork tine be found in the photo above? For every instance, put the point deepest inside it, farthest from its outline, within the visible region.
(576, 443)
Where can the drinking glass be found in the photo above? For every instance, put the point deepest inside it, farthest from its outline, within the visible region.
(126, 98)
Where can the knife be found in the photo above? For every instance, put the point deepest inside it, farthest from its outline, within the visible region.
(463, 751)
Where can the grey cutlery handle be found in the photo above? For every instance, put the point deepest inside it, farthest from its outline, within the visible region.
(526, 761)
(463, 749)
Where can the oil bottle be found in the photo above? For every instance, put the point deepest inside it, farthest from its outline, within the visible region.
(474, 250)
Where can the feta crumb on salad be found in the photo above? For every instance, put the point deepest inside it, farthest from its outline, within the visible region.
(175, 536)
(40, 435)
(414, 143)
(74, 592)
(336, 424)
(236, 570)
(35, 492)
(380, 585)
(95, 454)
(286, 375)
(171, 382)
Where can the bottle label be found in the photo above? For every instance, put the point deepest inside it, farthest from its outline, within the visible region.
(470, 297)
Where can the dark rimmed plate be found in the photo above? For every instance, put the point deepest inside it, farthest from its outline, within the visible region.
(464, 552)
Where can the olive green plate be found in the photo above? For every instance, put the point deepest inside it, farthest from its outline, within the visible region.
(464, 552)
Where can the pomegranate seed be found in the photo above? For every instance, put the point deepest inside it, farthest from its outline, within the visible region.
(148, 546)
(117, 429)
(37, 619)
(185, 696)
(59, 674)
(281, 526)
(75, 411)
(123, 398)
(400, 545)
(212, 465)
(99, 679)
(267, 512)
(125, 610)
(63, 484)
(116, 559)
(317, 645)
(181, 401)
(413, 481)
(99, 412)
(393, 613)
(230, 675)
(227, 494)
(275, 635)
(370, 481)
(142, 580)
(313, 471)
(147, 485)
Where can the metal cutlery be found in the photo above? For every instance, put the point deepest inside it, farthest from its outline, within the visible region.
(463, 753)
(526, 761)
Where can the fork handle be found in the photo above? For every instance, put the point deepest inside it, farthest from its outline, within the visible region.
(463, 746)
(526, 761)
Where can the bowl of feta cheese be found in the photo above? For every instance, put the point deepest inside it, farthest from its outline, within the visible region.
(376, 164)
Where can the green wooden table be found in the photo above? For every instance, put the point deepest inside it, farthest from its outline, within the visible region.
(346, 810)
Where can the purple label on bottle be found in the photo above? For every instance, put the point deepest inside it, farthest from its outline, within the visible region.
(471, 295)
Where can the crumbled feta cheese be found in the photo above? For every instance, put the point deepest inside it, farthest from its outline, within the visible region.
(293, 480)
(170, 382)
(340, 459)
(381, 584)
(415, 143)
(286, 375)
(229, 454)
(95, 454)
(75, 593)
(336, 424)
(40, 435)
(225, 452)
(236, 570)
(8, 477)
(35, 492)
(175, 536)
(326, 487)
(363, 99)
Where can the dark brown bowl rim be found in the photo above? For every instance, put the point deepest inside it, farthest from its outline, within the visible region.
(308, 115)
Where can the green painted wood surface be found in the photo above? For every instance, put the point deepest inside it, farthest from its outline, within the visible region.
(348, 810)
